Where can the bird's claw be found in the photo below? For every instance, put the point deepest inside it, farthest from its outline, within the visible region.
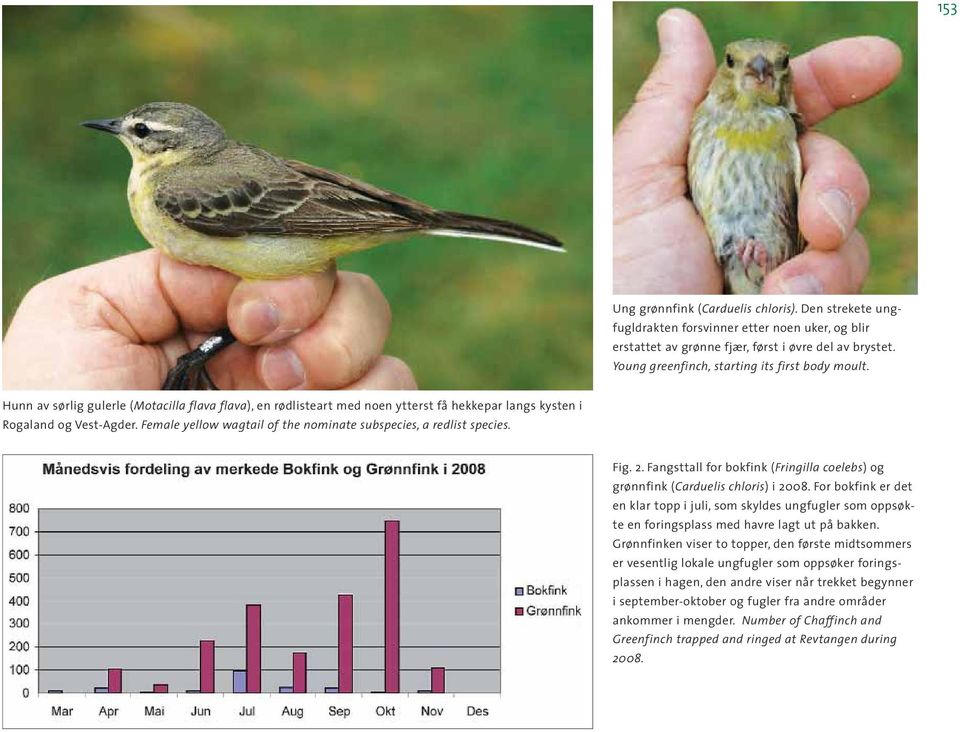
(188, 375)
(751, 252)
(190, 371)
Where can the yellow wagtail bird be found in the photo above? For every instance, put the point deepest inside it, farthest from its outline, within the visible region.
(202, 198)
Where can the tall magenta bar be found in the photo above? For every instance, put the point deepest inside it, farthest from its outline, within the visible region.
(207, 666)
(345, 644)
(391, 624)
(114, 680)
(438, 682)
(253, 649)
(299, 673)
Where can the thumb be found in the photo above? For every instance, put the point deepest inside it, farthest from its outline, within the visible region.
(656, 130)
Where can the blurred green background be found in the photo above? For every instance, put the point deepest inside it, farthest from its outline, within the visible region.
(485, 110)
(881, 132)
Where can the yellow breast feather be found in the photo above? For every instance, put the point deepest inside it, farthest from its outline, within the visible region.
(764, 139)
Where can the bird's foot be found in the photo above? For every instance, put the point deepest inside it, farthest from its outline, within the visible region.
(751, 252)
(190, 371)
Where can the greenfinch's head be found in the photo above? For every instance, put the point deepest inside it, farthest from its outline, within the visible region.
(756, 71)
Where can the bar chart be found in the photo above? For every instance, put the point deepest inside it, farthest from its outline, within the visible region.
(297, 591)
(269, 601)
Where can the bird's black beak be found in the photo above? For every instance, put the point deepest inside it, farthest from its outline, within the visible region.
(760, 67)
(105, 125)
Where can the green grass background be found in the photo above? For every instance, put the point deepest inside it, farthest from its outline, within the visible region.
(479, 109)
(881, 132)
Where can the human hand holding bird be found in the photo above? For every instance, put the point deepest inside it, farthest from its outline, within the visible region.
(661, 244)
(122, 324)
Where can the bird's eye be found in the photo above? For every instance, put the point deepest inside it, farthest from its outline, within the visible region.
(141, 130)
(729, 60)
(786, 61)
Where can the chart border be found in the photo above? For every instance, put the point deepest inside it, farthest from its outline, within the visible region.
(592, 582)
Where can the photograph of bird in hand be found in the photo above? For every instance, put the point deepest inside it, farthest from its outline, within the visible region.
(782, 163)
(202, 198)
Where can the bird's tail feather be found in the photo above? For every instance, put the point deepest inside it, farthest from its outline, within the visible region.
(480, 227)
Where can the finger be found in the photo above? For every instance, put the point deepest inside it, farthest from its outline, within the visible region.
(814, 272)
(197, 296)
(657, 234)
(339, 348)
(268, 311)
(656, 129)
(387, 373)
(834, 191)
(843, 73)
(144, 297)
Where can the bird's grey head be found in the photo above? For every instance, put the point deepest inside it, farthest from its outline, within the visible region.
(162, 127)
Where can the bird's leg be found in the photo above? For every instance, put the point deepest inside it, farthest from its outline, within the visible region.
(751, 252)
(190, 372)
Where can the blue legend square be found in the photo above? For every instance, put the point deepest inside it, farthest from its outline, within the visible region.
(518, 591)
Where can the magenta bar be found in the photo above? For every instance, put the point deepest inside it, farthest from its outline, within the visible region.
(207, 666)
(299, 673)
(253, 649)
(391, 623)
(161, 688)
(345, 643)
(438, 680)
(114, 680)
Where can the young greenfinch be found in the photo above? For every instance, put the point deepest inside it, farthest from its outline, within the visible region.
(744, 163)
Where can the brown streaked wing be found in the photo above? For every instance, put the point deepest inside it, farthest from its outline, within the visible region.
(292, 202)
(799, 244)
(358, 186)
(237, 207)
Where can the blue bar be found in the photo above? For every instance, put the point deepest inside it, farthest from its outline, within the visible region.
(239, 682)
(285, 689)
(330, 690)
(99, 689)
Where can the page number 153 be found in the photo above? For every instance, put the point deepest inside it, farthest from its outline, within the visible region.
(947, 8)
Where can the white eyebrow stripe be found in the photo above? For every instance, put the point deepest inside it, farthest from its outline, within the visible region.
(158, 126)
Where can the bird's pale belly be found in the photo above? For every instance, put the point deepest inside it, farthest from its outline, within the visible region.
(743, 181)
(254, 257)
